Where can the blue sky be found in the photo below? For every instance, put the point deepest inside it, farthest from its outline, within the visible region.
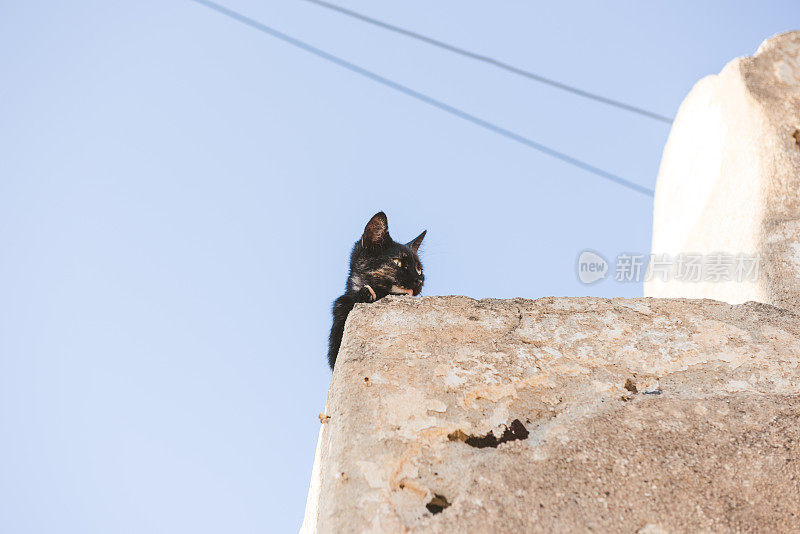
(179, 193)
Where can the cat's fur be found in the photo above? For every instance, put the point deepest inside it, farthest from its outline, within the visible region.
(379, 266)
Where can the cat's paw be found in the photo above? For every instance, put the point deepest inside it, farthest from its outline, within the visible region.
(372, 295)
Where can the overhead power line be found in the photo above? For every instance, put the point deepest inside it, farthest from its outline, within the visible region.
(423, 98)
(492, 61)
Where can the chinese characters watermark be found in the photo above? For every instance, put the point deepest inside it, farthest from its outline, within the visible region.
(631, 267)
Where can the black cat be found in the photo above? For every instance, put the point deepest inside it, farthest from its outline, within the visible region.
(379, 266)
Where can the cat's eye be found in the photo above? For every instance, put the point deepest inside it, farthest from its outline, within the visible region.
(397, 262)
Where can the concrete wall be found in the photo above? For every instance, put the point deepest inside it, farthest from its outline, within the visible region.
(449, 414)
(729, 180)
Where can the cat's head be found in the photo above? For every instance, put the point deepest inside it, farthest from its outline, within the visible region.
(387, 266)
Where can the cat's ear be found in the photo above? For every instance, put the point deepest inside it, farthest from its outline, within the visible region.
(376, 233)
(416, 242)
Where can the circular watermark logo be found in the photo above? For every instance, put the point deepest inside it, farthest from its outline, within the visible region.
(592, 267)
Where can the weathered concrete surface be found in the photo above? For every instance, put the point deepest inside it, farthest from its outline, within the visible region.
(729, 180)
(648, 415)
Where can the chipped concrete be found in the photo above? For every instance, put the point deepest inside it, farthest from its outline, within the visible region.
(649, 415)
(729, 180)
